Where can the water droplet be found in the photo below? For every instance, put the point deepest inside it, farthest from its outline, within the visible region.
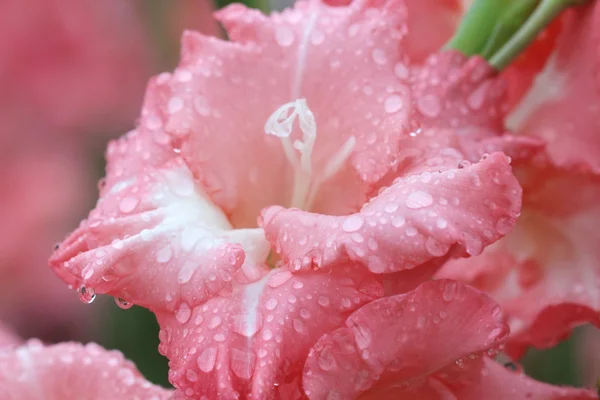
(271, 304)
(86, 294)
(401, 71)
(284, 36)
(419, 199)
(449, 291)
(201, 106)
(429, 105)
(206, 360)
(441, 223)
(191, 375)
(398, 221)
(323, 301)
(128, 204)
(219, 337)
(124, 304)
(362, 336)
(326, 361)
(391, 207)
(164, 255)
(353, 223)
(393, 104)
(279, 278)
(410, 231)
(379, 56)
(216, 321)
(175, 105)
(267, 334)
(242, 363)
(504, 225)
(183, 314)
(87, 273)
(298, 325)
(435, 248)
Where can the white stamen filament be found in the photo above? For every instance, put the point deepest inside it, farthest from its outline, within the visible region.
(281, 124)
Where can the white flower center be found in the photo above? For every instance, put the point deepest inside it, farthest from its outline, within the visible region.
(306, 181)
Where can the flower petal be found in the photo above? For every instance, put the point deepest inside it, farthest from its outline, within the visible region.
(258, 337)
(154, 238)
(501, 383)
(271, 61)
(71, 371)
(562, 106)
(416, 219)
(545, 273)
(399, 338)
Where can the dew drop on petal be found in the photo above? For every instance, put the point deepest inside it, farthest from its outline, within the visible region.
(429, 105)
(271, 304)
(401, 71)
(323, 301)
(206, 360)
(393, 104)
(298, 325)
(449, 292)
(86, 294)
(164, 255)
(279, 278)
(326, 361)
(183, 313)
(124, 304)
(128, 204)
(398, 221)
(284, 36)
(419, 199)
(353, 223)
(379, 56)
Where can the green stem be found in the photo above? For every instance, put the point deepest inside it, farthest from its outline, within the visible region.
(477, 25)
(507, 24)
(545, 13)
(499, 30)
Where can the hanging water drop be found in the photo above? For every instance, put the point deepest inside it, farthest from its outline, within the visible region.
(123, 304)
(86, 295)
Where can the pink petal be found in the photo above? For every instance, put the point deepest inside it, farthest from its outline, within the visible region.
(257, 338)
(72, 371)
(561, 106)
(545, 273)
(416, 219)
(154, 238)
(498, 382)
(277, 59)
(397, 339)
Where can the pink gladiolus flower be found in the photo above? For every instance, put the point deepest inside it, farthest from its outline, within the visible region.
(71, 371)
(545, 274)
(385, 169)
(176, 218)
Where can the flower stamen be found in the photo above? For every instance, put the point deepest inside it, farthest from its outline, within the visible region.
(281, 124)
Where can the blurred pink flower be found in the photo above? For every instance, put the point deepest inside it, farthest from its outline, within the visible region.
(546, 273)
(70, 64)
(71, 371)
